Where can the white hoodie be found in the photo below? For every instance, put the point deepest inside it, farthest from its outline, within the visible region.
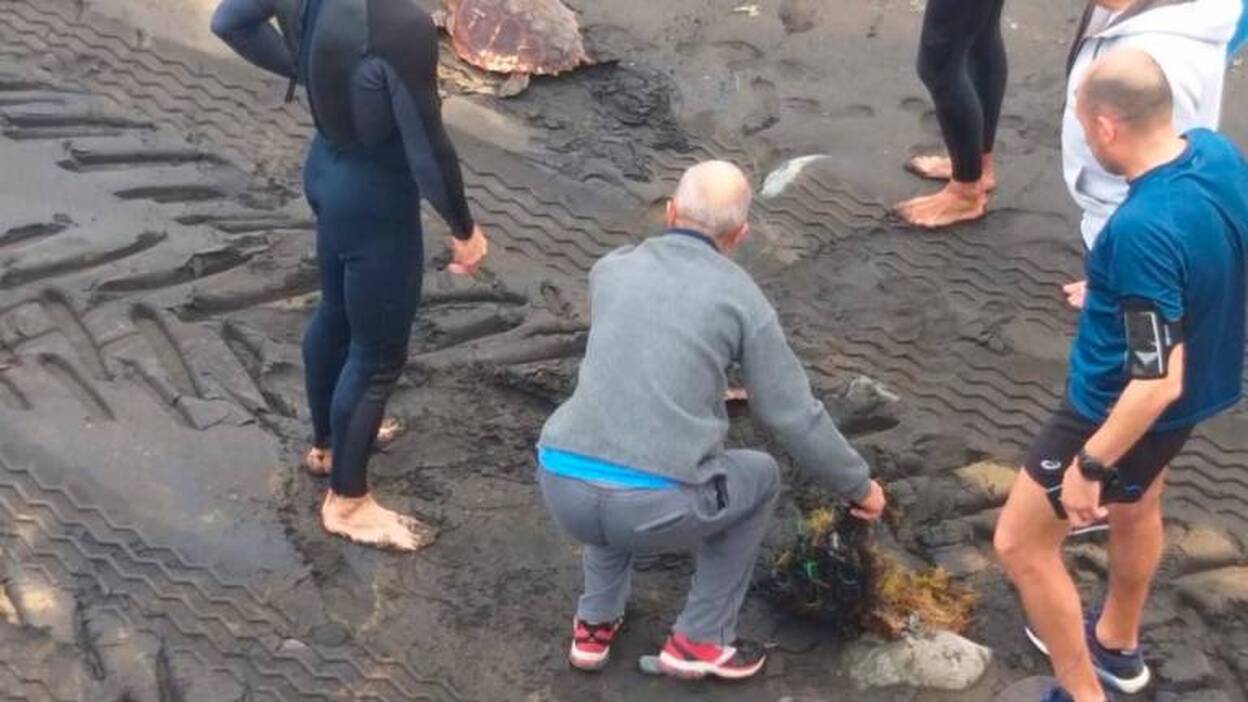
(1188, 39)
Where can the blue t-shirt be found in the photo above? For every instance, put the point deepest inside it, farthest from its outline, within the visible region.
(1241, 36)
(1177, 242)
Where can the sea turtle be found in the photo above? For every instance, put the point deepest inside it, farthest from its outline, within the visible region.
(515, 37)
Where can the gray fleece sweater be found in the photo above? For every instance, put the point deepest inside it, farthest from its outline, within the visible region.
(669, 316)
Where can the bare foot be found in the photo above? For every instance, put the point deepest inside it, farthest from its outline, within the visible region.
(941, 168)
(1076, 293)
(957, 202)
(319, 461)
(390, 430)
(736, 395)
(362, 520)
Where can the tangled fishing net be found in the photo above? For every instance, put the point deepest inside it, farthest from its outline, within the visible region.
(834, 575)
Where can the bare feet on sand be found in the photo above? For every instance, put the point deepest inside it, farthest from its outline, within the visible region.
(958, 202)
(1076, 293)
(319, 461)
(941, 168)
(390, 430)
(362, 520)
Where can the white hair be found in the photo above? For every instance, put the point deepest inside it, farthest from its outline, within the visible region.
(708, 197)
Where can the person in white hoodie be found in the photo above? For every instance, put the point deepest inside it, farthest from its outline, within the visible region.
(1190, 40)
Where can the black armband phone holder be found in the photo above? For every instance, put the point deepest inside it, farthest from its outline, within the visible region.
(1150, 339)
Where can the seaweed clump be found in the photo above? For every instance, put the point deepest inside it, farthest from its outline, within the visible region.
(835, 575)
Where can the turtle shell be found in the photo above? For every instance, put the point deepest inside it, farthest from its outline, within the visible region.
(516, 36)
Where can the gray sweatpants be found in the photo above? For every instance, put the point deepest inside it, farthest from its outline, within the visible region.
(722, 521)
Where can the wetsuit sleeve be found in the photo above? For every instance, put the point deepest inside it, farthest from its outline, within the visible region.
(247, 27)
(781, 399)
(430, 154)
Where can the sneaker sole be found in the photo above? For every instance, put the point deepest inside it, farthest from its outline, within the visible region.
(1128, 686)
(1094, 528)
(588, 662)
(696, 670)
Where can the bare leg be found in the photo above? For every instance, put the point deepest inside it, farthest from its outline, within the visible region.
(1028, 541)
(1136, 541)
(362, 520)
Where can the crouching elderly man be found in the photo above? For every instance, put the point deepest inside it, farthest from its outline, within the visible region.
(634, 462)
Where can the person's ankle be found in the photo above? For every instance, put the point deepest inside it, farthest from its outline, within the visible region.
(967, 191)
(343, 505)
(1093, 694)
(1113, 641)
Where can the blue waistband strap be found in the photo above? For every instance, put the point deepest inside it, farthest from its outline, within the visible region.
(578, 467)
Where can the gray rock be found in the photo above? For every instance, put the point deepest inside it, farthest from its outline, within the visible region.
(944, 534)
(1216, 593)
(1203, 547)
(940, 661)
(988, 482)
(45, 606)
(960, 561)
(863, 406)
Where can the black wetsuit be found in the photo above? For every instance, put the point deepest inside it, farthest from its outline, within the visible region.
(380, 146)
(962, 62)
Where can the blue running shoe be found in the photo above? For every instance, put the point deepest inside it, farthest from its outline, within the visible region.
(1124, 671)
(1057, 694)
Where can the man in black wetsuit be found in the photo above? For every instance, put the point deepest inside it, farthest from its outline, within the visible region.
(962, 62)
(370, 69)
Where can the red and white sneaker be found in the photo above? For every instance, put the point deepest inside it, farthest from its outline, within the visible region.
(591, 644)
(688, 659)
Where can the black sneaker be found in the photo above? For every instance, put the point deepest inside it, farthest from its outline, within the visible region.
(1124, 671)
(1057, 694)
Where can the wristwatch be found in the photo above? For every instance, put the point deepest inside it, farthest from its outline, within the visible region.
(1092, 469)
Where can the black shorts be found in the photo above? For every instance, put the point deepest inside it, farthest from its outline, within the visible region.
(1064, 436)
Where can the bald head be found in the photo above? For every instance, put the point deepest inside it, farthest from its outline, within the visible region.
(1129, 87)
(713, 197)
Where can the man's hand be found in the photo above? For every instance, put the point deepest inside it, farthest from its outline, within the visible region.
(1081, 498)
(466, 256)
(1076, 293)
(871, 508)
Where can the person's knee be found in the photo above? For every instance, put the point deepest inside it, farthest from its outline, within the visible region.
(1133, 518)
(383, 365)
(767, 472)
(1019, 555)
(936, 66)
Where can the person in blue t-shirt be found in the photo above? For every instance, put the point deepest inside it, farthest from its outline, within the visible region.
(1159, 349)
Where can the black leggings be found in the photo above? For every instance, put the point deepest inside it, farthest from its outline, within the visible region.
(962, 62)
(368, 246)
